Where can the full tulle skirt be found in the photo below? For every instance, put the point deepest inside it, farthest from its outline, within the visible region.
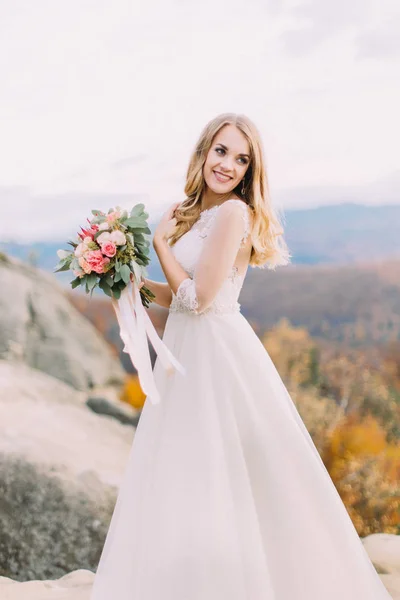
(224, 495)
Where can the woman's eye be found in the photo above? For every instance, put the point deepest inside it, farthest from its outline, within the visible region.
(220, 149)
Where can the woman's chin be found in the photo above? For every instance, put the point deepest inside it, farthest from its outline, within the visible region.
(220, 188)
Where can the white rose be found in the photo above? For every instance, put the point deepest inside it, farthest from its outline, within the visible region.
(80, 249)
(87, 240)
(104, 226)
(118, 238)
(103, 237)
(62, 254)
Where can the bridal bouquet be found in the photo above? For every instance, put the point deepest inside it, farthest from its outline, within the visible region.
(108, 251)
(113, 253)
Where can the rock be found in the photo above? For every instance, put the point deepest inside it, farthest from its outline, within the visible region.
(39, 326)
(73, 586)
(392, 584)
(60, 468)
(47, 422)
(119, 411)
(384, 551)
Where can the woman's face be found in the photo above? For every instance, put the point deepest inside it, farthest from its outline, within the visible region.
(227, 160)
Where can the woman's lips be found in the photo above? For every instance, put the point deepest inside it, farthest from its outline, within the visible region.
(221, 178)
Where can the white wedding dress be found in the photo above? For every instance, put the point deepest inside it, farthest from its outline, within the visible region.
(225, 496)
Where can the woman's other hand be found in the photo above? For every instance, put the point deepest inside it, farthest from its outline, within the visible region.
(141, 284)
(166, 225)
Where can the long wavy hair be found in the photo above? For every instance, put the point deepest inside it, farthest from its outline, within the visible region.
(269, 248)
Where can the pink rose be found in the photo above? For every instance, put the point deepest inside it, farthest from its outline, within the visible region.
(113, 216)
(78, 273)
(96, 261)
(84, 265)
(109, 248)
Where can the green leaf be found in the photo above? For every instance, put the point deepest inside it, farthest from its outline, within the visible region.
(91, 281)
(125, 273)
(75, 282)
(116, 292)
(134, 222)
(109, 280)
(103, 285)
(139, 238)
(62, 266)
(96, 213)
(137, 210)
(117, 276)
(143, 229)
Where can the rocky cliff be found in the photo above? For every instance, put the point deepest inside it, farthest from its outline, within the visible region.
(40, 327)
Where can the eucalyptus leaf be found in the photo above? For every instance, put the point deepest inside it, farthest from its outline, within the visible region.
(75, 282)
(125, 273)
(137, 210)
(116, 292)
(134, 222)
(62, 266)
(105, 287)
(141, 229)
(91, 281)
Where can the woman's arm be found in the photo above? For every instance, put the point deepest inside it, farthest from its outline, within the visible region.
(216, 260)
(162, 291)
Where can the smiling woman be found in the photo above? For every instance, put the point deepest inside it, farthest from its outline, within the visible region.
(225, 493)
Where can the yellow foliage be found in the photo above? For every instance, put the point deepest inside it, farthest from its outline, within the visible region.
(289, 348)
(132, 393)
(366, 472)
(357, 439)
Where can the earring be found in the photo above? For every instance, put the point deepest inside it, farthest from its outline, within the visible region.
(243, 187)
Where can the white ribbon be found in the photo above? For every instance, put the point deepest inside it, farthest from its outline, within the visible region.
(135, 325)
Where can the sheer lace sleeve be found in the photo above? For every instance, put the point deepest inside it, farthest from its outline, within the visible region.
(229, 232)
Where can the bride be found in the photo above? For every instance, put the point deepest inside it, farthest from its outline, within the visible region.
(225, 496)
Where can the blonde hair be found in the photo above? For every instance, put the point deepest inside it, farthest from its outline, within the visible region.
(268, 246)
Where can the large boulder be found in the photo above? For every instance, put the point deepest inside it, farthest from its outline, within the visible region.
(61, 466)
(384, 551)
(39, 326)
(47, 422)
(72, 586)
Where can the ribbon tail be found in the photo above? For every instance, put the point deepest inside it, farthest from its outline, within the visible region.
(167, 359)
(136, 344)
(135, 327)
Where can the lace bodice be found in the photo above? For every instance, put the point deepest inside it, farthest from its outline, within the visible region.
(215, 254)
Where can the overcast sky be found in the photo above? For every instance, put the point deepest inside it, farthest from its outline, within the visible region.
(104, 100)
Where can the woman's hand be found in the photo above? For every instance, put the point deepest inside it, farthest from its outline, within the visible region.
(166, 225)
(142, 282)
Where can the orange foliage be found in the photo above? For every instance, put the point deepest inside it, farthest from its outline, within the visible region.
(366, 472)
(132, 393)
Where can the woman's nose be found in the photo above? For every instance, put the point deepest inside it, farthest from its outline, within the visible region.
(226, 164)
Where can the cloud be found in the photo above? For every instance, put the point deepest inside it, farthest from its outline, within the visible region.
(129, 161)
(383, 191)
(316, 22)
(382, 42)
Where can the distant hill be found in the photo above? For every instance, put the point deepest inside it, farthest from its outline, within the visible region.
(343, 233)
(335, 234)
(357, 305)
